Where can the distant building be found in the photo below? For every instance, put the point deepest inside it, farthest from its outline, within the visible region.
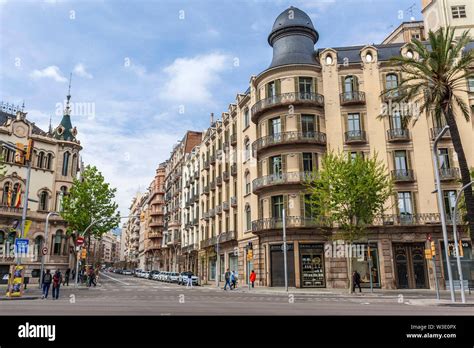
(458, 14)
(406, 32)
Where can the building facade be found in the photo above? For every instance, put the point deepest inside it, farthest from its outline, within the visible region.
(55, 163)
(226, 194)
(458, 14)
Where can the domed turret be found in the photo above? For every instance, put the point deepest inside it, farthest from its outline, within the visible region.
(293, 38)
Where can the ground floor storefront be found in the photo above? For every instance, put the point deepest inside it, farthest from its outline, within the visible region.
(388, 258)
(207, 262)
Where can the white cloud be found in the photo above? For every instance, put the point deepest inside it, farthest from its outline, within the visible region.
(51, 72)
(80, 70)
(190, 79)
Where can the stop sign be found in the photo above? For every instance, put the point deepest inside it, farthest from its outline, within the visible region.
(80, 240)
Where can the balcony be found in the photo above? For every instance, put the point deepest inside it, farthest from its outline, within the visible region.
(290, 178)
(291, 222)
(285, 99)
(222, 238)
(206, 164)
(225, 206)
(156, 212)
(219, 209)
(213, 159)
(436, 131)
(447, 174)
(233, 169)
(233, 201)
(219, 180)
(225, 175)
(233, 139)
(205, 215)
(212, 213)
(195, 221)
(226, 145)
(196, 174)
(352, 98)
(190, 248)
(196, 198)
(398, 134)
(293, 137)
(155, 235)
(213, 185)
(403, 175)
(355, 137)
(187, 183)
(205, 190)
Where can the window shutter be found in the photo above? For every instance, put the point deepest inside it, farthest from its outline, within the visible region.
(413, 202)
(283, 123)
(260, 94)
(278, 87)
(315, 161)
(298, 122)
(259, 168)
(269, 166)
(409, 162)
(302, 202)
(285, 205)
(451, 157)
(317, 123)
(343, 84)
(269, 126)
(355, 83)
(283, 163)
(346, 125)
(270, 212)
(267, 90)
(315, 85)
(297, 84)
(397, 208)
(260, 209)
(300, 160)
(362, 120)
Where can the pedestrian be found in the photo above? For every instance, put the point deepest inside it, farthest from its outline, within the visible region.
(227, 280)
(356, 281)
(57, 279)
(190, 280)
(92, 277)
(66, 277)
(74, 274)
(253, 276)
(47, 280)
(233, 280)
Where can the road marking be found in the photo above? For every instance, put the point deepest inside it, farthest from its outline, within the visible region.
(117, 280)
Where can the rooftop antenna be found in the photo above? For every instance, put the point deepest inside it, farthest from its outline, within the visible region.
(410, 11)
(23, 106)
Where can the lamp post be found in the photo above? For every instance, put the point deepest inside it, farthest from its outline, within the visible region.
(218, 261)
(441, 209)
(284, 249)
(456, 245)
(46, 230)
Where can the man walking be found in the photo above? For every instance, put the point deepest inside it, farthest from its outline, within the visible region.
(227, 280)
(47, 280)
(233, 280)
(66, 277)
(253, 276)
(190, 280)
(356, 281)
(57, 280)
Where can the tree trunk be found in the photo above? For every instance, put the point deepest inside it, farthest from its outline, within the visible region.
(463, 167)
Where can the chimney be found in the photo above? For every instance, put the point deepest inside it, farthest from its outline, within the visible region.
(212, 118)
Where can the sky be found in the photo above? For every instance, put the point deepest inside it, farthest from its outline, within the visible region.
(145, 71)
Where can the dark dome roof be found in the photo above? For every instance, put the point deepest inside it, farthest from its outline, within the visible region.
(292, 17)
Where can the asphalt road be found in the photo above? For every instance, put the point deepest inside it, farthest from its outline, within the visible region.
(127, 295)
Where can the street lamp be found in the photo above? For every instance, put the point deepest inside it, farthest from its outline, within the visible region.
(46, 229)
(441, 209)
(218, 261)
(456, 246)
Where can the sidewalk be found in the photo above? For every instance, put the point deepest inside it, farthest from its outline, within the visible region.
(33, 292)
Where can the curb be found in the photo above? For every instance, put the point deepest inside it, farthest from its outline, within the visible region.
(20, 298)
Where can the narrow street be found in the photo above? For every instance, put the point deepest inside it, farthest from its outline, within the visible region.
(126, 295)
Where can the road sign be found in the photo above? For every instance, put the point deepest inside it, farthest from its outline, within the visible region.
(44, 251)
(21, 245)
(80, 240)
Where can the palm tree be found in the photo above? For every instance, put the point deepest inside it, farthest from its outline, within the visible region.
(434, 77)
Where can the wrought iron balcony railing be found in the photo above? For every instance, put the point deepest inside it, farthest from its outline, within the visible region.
(403, 175)
(355, 136)
(291, 137)
(350, 98)
(281, 179)
(449, 173)
(398, 134)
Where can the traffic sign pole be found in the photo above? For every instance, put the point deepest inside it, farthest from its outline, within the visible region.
(46, 230)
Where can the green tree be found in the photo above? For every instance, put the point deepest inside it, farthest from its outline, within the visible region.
(434, 78)
(90, 199)
(349, 194)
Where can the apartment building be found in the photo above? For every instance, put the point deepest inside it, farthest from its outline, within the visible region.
(458, 14)
(226, 193)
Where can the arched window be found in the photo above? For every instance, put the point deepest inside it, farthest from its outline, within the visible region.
(247, 149)
(43, 201)
(248, 218)
(39, 241)
(40, 161)
(351, 84)
(65, 163)
(57, 242)
(15, 193)
(49, 161)
(6, 188)
(391, 84)
(74, 165)
(247, 182)
(60, 197)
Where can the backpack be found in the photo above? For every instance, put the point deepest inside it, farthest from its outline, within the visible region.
(47, 278)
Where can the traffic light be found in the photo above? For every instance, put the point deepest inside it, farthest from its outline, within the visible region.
(19, 153)
(433, 248)
(29, 150)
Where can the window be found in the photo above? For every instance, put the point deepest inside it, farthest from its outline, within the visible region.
(354, 124)
(49, 161)
(246, 119)
(40, 161)
(369, 57)
(307, 162)
(275, 166)
(305, 87)
(6, 188)
(449, 200)
(15, 193)
(458, 11)
(391, 85)
(58, 239)
(308, 210)
(59, 198)
(248, 218)
(43, 202)
(247, 150)
(328, 60)
(275, 126)
(470, 84)
(74, 165)
(308, 126)
(247, 183)
(354, 154)
(351, 85)
(38, 245)
(65, 163)
(405, 206)
(401, 163)
(396, 120)
(443, 155)
(277, 207)
(271, 89)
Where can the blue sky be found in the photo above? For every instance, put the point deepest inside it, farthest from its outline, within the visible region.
(147, 70)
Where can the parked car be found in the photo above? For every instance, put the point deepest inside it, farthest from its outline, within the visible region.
(163, 276)
(173, 277)
(126, 272)
(138, 273)
(156, 275)
(145, 274)
(183, 278)
(152, 273)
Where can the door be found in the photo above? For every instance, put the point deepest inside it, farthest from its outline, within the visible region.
(277, 265)
(410, 266)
